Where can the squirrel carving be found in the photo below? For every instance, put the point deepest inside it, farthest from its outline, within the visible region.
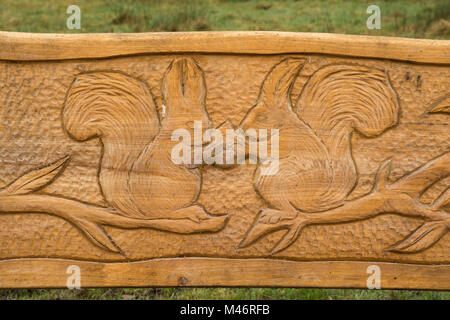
(316, 171)
(137, 175)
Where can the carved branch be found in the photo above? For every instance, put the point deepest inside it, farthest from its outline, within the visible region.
(17, 197)
(400, 197)
(82, 215)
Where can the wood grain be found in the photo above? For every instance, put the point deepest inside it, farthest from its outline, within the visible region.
(30, 46)
(345, 160)
(204, 272)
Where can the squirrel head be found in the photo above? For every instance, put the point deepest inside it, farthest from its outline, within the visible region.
(184, 93)
(273, 106)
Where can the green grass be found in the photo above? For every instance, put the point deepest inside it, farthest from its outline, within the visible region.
(223, 293)
(404, 18)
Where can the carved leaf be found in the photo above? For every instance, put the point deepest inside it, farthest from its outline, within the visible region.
(35, 179)
(97, 235)
(443, 200)
(423, 238)
(441, 106)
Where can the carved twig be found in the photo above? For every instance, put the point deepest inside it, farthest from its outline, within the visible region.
(72, 210)
(17, 197)
(91, 218)
(400, 197)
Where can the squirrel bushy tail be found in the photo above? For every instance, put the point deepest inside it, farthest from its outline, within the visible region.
(120, 111)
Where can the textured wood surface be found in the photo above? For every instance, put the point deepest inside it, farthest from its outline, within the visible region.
(29, 46)
(187, 272)
(87, 176)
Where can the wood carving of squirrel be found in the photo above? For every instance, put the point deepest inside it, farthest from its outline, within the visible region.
(137, 175)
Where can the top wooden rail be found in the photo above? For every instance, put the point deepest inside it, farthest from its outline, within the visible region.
(35, 46)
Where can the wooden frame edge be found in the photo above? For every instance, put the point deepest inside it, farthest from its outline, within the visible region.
(34, 46)
(222, 272)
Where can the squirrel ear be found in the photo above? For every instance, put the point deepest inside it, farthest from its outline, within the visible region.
(184, 86)
(277, 86)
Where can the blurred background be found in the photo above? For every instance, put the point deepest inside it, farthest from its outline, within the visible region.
(405, 18)
(414, 18)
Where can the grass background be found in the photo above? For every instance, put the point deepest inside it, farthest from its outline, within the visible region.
(406, 18)
(414, 18)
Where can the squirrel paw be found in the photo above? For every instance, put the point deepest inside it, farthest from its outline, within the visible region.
(271, 216)
(194, 213)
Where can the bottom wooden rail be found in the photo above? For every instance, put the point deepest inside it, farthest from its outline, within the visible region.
(53, 273)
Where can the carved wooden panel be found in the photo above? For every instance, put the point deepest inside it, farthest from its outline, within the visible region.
(345, 160)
